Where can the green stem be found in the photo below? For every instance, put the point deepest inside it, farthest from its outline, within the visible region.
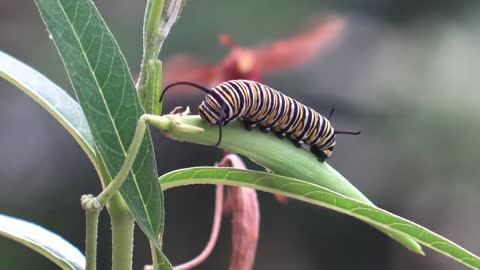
(155, 256)
(91, 216)
(160, 16)
(151, 39)
(123, 225)
(121, 218)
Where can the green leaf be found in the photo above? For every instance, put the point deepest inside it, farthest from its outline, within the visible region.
(104, 87)
(160, 261)
(278, 155)
(43, 241)
(51, 97)
(315, 194)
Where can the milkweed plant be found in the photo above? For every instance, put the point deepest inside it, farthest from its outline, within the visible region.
(110, 118)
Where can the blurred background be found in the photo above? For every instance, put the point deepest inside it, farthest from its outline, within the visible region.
(404, 72)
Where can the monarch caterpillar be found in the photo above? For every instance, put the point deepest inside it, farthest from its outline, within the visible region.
(258, 104)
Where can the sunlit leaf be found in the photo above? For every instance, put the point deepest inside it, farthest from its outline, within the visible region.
(43, 241)
(51, 97)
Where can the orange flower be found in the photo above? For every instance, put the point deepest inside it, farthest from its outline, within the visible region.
(252, 63)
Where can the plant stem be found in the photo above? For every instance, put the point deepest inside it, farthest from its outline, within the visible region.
(91, 216)
(123, 225)
(155, 256)
(121, 219)
(160, 16)
(151, 40)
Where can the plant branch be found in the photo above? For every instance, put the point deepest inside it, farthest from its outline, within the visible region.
(160, 16)
(91, 217)
(121, 218)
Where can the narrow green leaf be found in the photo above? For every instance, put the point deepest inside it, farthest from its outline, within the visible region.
(43, 241)
(51, 97)
(278, 155)
(315, 194)
(105, 91)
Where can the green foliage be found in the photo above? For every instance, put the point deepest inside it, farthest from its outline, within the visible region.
(104, 122)
(51, 97)
(43, 241)
(278, 156)
(318, 195)
(105, 90)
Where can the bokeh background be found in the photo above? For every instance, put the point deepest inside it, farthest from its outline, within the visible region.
(405, 72)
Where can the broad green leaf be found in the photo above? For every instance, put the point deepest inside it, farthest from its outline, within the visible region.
(278, 155)
(104, 87)
(315, 194)
(51, 97)
(43, 241)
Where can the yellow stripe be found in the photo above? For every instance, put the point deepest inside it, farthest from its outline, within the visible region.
(286, 114)
(275, 110)
(255, 100)
(327, 129)
(246, 95)
(313, 127)
(299, 121)
(226, 92)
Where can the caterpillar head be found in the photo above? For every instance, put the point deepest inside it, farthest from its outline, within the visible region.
(214, 114)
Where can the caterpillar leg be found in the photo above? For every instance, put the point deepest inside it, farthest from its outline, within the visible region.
(297, 143)
(249, 125)
(280, 134)
(264, 129)
(319, 154)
